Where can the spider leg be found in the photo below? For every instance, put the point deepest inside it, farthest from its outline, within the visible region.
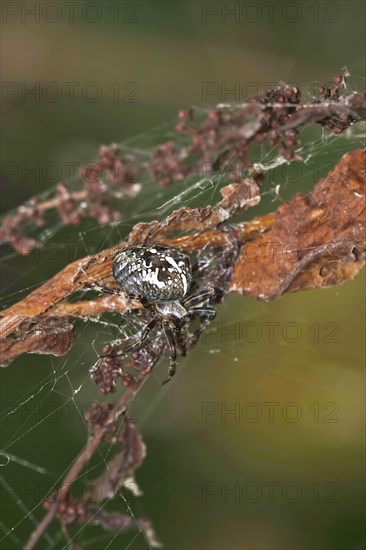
(173, 349)
(179, 337)
(104, 289)
(208, 311)
(181, 345)
(199, 298)
(206, 314)
(145, 331)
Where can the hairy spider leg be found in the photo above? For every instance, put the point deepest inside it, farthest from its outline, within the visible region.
(104, 289)
(173, 349)
(199, 298)
(145, 331)
(206, 314)
(181, 344)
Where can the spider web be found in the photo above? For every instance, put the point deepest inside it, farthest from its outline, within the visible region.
(44, 398)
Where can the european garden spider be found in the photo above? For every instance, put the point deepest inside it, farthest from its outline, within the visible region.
(160, 277)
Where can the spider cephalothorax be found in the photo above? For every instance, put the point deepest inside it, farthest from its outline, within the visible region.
(160, 278)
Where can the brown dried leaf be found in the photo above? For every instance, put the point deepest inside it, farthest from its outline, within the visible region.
(317, 240)
(43, 335)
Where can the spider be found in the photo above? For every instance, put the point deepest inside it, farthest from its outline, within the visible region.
(160, 278)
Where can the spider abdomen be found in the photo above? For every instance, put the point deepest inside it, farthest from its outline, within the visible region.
(153, 273)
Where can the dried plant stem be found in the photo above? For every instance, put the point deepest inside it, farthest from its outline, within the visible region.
(84, 458)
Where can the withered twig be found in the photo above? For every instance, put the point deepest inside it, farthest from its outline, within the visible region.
(83, 459)
(350, 106)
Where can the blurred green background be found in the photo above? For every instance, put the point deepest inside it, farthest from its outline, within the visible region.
(310, 452)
